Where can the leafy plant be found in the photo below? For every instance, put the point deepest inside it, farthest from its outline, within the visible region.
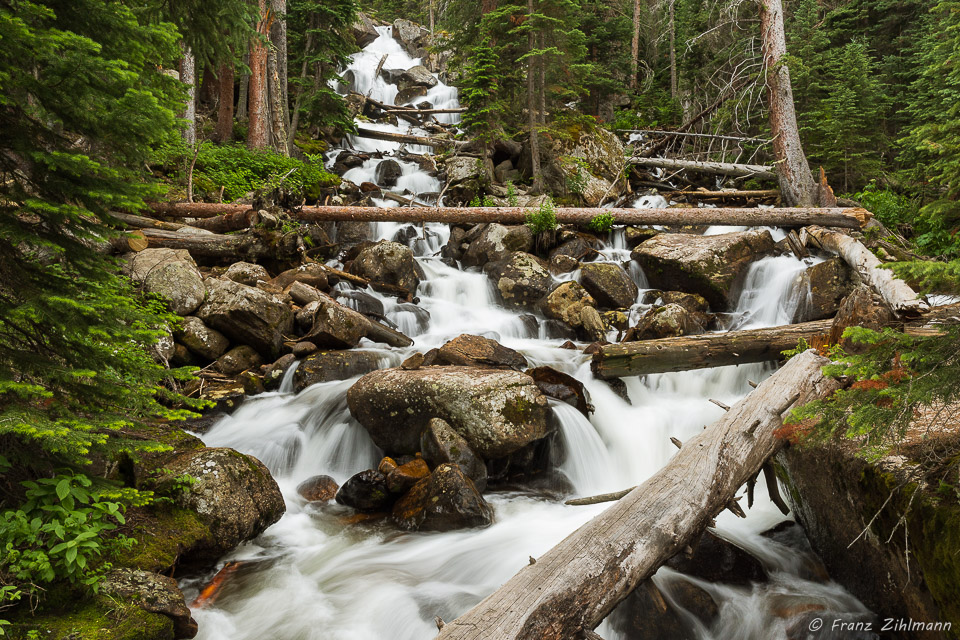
(486, 201)
(512, 199)
(544, 219)
(601, 223)
(578, 174)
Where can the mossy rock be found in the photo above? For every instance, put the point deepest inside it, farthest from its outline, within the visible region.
(95, 618)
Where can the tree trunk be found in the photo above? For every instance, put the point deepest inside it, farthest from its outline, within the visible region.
(635, 46)
(277, 78)
(532, 111)
(793, 172)
(257, 135)
(575, 585)
(402, 137)
(243, 91)
(486, 6)
(188, 76)
(297, 101)
(224, 131)
(673, 55)
(720, 168)
(703, 351)
(849, 218)
(278, 126)
(224, 248)
(897, 293)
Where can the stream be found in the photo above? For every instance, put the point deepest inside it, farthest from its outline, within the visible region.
(318, 574)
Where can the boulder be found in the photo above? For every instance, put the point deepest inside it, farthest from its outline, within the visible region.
(566, 303)
(577, 248)
(599, 158)
(440, 444)
(154, 593)
(274, 373)
(646, 615)
(336, 326)
(417, 75)
(202, 340)
(238, 359)
(593, 324)
(609, 284)
(461, 168)
(563, 387)
(716, 560)
(388, 263)
(561, 263)
(496, 242)
(362, 302)
(246, 273)
(247, 315)
(444, 501)
(408, 95)
(318, 489)
(303, 349)
(665, 322)
(822, 288)
(862, 308)
(303, 294)
(637, 235)
(402, 478)
(365, 491)
(233, 495)
(495, 410)
(364, 30)
(387, 173)
(712, 266)
(326, 366)
(521, 279)
(312, 274)
(411, 35)
(165, 348)
(477, 351)
(171, 274)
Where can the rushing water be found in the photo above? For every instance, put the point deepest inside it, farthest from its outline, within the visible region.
(315, 576)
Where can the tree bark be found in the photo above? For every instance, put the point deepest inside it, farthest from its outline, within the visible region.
(244, 90)
(793, 172)
(575, 585)
(720, 168)
(257, 134)
(532, 103)
(706, 350)
(401, 137)
(635, 46)
(898, 294)
(235, 221)
(224, 131)
(188, 76)
(223, 248)
(673, 55)
(277, 78)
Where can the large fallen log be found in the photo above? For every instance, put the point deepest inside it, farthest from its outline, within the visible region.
(849, 218)
(234, 221)
(575, 585)
(897, 293)
(409, 139)
(223, 248)
(720, 168)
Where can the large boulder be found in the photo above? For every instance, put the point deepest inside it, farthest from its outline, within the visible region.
(440, 444)
(668, 321)
(609, 284)
(591, 157)
(567, 302)
(462, 168)
(325, 366)
(247, 315)
(246, 273)
(416, 76)
(495, 410)
(496, 242)
(171, 274)
(232, 494)
(365, 491)
(716, 560)
(477, 351)
(444, 501)
(412, 36)
(364, 30)
(154, 593)
(712, 266)
(521, 279)
(822, 288)
(335, 326)
(388, 263)
(202, 340)
(387, 173)
(862, 308)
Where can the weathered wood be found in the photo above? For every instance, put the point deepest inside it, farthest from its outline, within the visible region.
(690, 134)
(575, 585)
(719, 168)
(727, 195)
(223, 248)
(409, 139)
(849, 218)
(415, 112)
(706, 350)
(142, 222)
(898, 294)
(233, 221)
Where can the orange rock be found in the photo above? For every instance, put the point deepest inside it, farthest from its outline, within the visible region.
(387, 465)
(405, 476)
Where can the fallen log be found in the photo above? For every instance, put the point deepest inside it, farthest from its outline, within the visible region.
(142, 222)
(722, 195)
(409, 139)
(224, 248)
(416, 112)
(575, 585)
(849, 218)
(233, 221)
(897, 293)
(720, 168)
(705, 350)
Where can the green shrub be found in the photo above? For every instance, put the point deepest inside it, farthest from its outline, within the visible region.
(601, 223)
(512, 199)
(485, 201)
(544, 219)
(889, 207)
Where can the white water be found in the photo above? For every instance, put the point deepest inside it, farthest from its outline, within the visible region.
(316, 577)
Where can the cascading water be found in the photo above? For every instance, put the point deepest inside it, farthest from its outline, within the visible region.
(318, 574)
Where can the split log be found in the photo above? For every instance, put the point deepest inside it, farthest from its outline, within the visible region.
(720, 168)
(409, 139)
(575, 585)
(849, 218)
(233, 221)
(141, 222)
(223, 248)
(701, 351)
(897, 293)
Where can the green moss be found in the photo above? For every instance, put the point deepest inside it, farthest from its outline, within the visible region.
(518, 412)
(95, 618)
(162, 532)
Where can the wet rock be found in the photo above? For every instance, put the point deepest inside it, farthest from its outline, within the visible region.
(593, 324)
(496, 242)
(311, 274)
(563, 264)
(303, 349)
(563, 387)
(712, 266)
(665, 322)
(326, 366)
(273, 375)
(577, 248)
(336, 326)
(646, 615)
(790, 534)
(495, 410)
(619, 387)
(716, 560)
(246, 273)
(408, 95)
(413, 362)
(445, 501)
(351, 233)
(202, 340)
(246, 315)
(694, 599)
(171, 274)
(417, 75)
(411, 35)
(252, 383)
(318, 489)
(364, 30)
(402, 479)
(566, 303)
(462, 168)
(637, 235)
(362, 302)
(388, 263)
(233, 495)
(440, 444)
(822, 289)
(521, 279)
(689, 301)
(154, 593)
(238, 359)
(609, 284)
(616, 320)
(387, 173)
(862, 308)
(468, 350)
(365, 491)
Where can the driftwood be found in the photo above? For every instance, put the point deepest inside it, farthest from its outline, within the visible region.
(221, 248)
(575, 585)
(706, 350)
(409, 139)
(850, 218)
(897, 293)
(720, 168)
(233, 221)
(726, 195)
(142, 222)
